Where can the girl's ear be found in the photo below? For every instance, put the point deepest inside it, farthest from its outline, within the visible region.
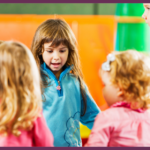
(120, 92)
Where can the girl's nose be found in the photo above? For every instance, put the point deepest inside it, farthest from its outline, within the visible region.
(56, 56)
(144, 16)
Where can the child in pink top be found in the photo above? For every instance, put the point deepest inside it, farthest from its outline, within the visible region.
(126, 78)
(21, 121)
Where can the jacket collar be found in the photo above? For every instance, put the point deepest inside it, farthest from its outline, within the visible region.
(50, 73)
(127, 105)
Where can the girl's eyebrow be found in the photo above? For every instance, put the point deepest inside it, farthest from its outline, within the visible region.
(53, 47)
(146, 5)
(63, 47)
(48, 48)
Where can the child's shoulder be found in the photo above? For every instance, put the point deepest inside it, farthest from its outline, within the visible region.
(115, 113)
(123, 113)
(71, 76)
(108, 112)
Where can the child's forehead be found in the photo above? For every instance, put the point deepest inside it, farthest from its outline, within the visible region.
(49, 44)
(146, 4)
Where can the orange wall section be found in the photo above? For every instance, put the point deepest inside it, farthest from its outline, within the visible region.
(95, 36)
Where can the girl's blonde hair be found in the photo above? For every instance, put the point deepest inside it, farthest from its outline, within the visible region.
(58, 31)
(20, 94)
(131, 71)
(1, 41)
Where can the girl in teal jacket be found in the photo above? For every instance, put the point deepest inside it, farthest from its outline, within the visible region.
(66, 99)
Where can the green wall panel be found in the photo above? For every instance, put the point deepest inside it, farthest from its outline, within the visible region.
(61, 8)
(107, 8)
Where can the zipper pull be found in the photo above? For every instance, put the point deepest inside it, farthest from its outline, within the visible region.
(58, 87)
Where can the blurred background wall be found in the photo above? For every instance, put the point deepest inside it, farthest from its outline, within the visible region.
(61, 8)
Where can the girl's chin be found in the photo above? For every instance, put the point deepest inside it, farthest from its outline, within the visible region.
(55, 70)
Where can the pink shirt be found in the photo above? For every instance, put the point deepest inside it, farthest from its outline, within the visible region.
(121, 126)
(40, 135)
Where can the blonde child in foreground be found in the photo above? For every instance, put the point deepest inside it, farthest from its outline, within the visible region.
(126, 78)
(67, 100)
(21, 121)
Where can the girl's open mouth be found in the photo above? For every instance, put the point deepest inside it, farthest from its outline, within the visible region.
(55, 64)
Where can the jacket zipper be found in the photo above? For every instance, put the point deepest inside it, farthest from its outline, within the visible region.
(60, 91)
(58, 88)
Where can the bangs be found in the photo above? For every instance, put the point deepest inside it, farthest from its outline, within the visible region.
(56, 42)
(57, 38)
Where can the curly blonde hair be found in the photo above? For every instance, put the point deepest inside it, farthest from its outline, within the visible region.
(131, 71)
(20, 94)
(1, 41)
(58, 31)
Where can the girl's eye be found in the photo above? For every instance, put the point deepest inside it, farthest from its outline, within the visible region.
(62, 51)
(49, 51)
(148, 8)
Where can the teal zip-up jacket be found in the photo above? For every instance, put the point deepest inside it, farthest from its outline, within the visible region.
(62, 108)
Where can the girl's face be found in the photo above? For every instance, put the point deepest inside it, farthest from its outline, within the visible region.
(55, 57)
(146, 14)
(111, 93)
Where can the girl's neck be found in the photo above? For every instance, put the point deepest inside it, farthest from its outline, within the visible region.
(57, 73)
